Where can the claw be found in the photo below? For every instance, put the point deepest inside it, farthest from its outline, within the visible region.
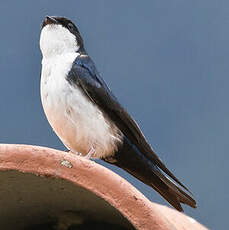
(75, 153)
(88, 156)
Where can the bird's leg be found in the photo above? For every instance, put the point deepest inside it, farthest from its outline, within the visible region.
(90, 153)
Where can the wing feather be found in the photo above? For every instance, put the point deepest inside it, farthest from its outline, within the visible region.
(85, 76)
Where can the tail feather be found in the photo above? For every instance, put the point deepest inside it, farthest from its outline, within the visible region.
(152, 155)
(161, 165)
(171, 192)
(134, 162)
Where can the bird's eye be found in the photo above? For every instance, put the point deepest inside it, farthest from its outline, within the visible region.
(70, 26)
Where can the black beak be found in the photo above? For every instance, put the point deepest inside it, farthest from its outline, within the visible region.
(49, 20)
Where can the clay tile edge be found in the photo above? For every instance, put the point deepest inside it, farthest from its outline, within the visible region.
(142, 213)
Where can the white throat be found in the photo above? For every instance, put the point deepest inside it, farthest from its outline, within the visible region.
(78, 122)
(57, 40)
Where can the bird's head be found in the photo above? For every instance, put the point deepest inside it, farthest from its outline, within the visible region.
(59, 35)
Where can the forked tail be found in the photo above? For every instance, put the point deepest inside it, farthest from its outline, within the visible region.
(136, 163)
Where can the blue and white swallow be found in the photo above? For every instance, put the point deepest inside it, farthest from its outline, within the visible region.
(88, 118)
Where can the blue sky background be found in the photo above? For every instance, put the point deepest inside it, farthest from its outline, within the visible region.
(166, 61)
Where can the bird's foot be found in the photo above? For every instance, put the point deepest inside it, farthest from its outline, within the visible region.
(88, 156)
(74, 152)
(90, 153)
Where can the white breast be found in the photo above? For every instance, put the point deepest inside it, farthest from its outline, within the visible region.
(76, 120)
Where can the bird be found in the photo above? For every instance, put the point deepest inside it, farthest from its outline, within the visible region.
(89, 119)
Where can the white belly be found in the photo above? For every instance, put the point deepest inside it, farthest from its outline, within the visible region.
(76, 120)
